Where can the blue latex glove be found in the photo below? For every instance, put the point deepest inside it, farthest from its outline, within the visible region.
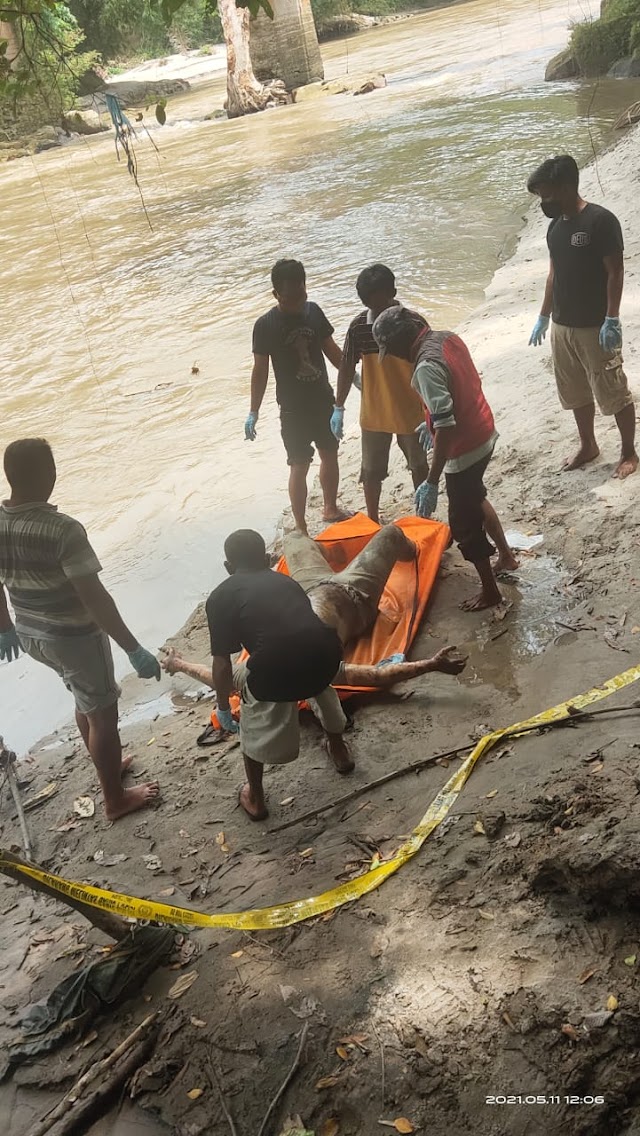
(391, 660)
(227, 721)
(337, 422)
(144, 663)
(611, 334)
(9, 645)
(540, 330)
(250, 432)
(426, 499)
(425, 437)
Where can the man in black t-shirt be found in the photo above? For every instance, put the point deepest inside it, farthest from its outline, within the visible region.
(293, 656)
(296, 336)
(583, 293)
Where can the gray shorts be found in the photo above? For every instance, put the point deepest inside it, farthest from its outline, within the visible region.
(84, 663)
(270, 731)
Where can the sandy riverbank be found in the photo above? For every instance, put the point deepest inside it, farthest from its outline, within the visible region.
(463, 968)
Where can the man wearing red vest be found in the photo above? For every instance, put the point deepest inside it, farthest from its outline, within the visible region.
(460, 420)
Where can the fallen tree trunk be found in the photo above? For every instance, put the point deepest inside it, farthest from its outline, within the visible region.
(245, 94)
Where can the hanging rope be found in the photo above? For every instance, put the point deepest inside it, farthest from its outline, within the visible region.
(124, 135)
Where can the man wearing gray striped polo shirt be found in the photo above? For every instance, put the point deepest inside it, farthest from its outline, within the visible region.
(64, 616)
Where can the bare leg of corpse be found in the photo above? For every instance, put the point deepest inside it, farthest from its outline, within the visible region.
(348, 600)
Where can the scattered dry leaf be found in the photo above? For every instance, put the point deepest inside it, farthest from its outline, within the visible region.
(513, 840)
(486, 915)
(153, 863)
(184, 983)
(612, 1002)
(84, 806)
(630, 960)
(596, 767)
(221, 841)
(326, 1082)
(287, 801)
(403, 1125)
(570, 1031)
(45, 794)
(587, 974)
(509, 1022)
(493, 793)
(90, 1038)
(635, 630)
(331, 1127)
(151, 741)
(479, 828)
(237, 954)
(194, 1094)
(354, 1039)
(342, 1052)
(306, 852)
(198, 1023)
(167, 891)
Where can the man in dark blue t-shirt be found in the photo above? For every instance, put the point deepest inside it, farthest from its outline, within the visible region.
(296, 335)
(583, 293)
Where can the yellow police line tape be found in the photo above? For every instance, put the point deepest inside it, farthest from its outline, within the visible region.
(285, 914)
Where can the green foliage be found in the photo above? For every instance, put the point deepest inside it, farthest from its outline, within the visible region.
(40, 63)
(597, 44)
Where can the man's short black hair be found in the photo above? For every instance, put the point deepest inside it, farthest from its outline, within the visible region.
(25, 458)
(287, 272)
(561, 171)
(375, 278)
(246, 549)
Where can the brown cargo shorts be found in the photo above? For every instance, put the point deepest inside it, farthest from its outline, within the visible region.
(585, 372)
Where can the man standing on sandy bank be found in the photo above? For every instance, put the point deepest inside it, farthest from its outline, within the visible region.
(388, 405)
(64, 615)
(464, 437)
(583, 295)
(295, 336)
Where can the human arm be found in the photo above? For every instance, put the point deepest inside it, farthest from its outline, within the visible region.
(6, 622)
(431, 381)
(614, 268)
(101, 606)
(259, 378)
(332, 351)
(9, 644)
(547, 301)
(541, 326)
(222, 674)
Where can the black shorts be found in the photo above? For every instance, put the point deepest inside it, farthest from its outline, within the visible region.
(303, 427)
(467, 491)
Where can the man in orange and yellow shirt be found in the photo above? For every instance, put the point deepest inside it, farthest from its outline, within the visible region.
(389, 404)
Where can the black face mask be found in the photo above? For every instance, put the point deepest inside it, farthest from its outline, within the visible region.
(551, 208)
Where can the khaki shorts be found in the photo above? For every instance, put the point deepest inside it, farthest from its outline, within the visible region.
(585, 372)
(84, 663)
(270, 731)
(376, 447)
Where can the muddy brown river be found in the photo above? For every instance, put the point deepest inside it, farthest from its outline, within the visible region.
(103, 317)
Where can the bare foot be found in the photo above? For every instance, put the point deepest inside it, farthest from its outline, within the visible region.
(584, 455)
(626, 466)
(171, 661)
(134, 799)
(127, 762)
(507, 563)
(340, 753)
(332, 516)
(482, 601)
(254, 807)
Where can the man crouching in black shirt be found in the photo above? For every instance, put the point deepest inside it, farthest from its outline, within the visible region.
(583, 293)
(293, 656)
